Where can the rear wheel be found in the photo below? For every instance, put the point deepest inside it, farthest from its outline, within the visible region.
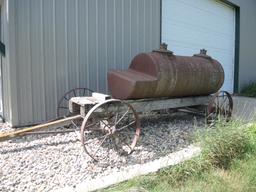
(63, 104)
(220, 107)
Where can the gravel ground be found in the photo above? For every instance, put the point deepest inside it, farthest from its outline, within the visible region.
(49, 162)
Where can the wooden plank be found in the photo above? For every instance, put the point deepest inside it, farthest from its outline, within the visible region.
(147, 105)
(76, 104)
(83, 100)
(54, 124)
(81, 105)
(100, 96)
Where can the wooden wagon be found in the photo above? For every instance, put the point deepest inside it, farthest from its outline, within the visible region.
(103, 120)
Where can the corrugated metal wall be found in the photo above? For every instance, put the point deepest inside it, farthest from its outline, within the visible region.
(63, 44)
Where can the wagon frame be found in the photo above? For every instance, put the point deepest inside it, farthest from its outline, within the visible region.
(101, 114)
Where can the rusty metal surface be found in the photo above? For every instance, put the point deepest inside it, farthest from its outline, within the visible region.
(162, 74)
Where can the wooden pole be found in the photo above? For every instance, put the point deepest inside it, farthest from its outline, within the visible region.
(54, 124)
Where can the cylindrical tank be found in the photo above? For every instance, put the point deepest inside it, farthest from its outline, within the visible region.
(163, 74)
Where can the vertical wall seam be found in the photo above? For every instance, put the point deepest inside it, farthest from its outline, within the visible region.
(97, 45)
(115, 63)
(66, 45)
(130, 29)
(42, 56)
(77, 47)
(12, 102)
(151, 23)
(30, 65)
(138, 26)
(160, 24)
(106, 40)
(122, 65)
(87, 44)
(144, 27)
(55, 56)
(17, 65)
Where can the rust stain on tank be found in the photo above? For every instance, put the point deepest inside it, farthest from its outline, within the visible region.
(160, 73)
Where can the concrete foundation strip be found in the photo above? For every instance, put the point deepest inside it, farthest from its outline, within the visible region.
(134, 171)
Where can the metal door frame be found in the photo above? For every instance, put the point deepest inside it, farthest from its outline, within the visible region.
(1, 60)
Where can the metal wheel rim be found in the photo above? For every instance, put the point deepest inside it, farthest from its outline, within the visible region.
(219, 109)
(84, 126)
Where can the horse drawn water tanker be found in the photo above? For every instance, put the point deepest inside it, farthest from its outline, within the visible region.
(160, 73)
(154, 81)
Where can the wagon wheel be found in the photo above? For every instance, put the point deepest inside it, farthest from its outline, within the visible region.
(111, 126)
(220, 107)
(63, 109)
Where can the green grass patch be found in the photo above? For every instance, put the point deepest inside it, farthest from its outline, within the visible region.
(249, 90)
(227, 163)
(226, 142)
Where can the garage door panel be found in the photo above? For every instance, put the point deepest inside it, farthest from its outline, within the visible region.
(221, 28)
(200, 39)
(207, 7)
(205, 24)
(188, 26)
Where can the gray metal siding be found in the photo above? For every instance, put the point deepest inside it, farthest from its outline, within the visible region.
(8, 62)
(63, 44)
(247, 46)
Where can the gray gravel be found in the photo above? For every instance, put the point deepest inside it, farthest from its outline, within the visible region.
(49, 162)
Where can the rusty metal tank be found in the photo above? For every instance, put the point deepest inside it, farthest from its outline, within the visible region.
(160, 73)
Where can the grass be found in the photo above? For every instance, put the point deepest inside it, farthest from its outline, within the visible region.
(249, 90)
(227, 163)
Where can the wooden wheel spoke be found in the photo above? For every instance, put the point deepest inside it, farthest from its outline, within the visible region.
(106, 124)
(117, 113)
(101, 144)
(122, 116)
(73, 123)
(74, 92)
(222, 105)
(87, 127)
(61, 107)
(133, 122)
(218, 104)
(93, 140)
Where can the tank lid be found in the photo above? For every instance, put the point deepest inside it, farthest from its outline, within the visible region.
(203, 53)
(163, 49)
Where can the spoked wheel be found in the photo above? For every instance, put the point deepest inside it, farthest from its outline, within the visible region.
(63, 108)
(219, 108)
(110, 129)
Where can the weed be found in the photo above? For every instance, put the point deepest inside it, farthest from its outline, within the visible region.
(249, 90)
(226, 164)
(225, 143)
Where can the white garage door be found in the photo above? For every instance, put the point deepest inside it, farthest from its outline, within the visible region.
(190, 25)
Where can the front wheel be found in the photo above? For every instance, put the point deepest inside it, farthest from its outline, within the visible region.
(110, 126)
